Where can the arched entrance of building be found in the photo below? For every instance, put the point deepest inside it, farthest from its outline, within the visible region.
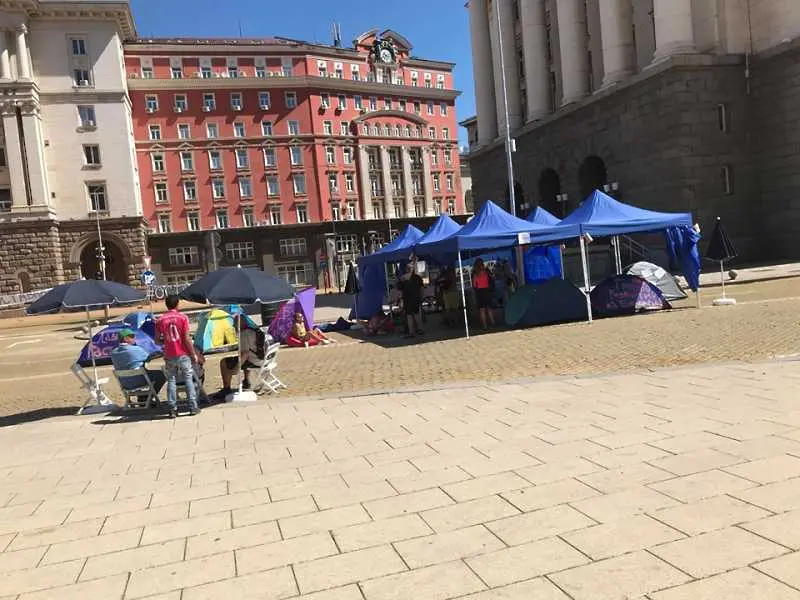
(592, 176)
(549, 189)
(116, 268)
(519, 200)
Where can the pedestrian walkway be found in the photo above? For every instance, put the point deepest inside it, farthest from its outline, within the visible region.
(669, 485)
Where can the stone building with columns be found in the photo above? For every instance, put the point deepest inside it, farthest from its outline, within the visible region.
(67, 152)
(682, 105)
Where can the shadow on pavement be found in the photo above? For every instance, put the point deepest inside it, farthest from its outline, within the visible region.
(37, 415)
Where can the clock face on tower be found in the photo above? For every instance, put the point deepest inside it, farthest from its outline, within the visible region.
(386, 55)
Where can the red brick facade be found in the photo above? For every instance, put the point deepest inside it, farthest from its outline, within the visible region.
(277, 131)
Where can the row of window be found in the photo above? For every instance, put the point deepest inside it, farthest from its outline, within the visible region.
(180, 103)
(259, 70)
(292, 247)
(242, 158)
(239, 130)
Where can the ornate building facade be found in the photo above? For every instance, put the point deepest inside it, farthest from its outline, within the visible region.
(678, 105)
(269, 132)
(105, 132)
(67, 151)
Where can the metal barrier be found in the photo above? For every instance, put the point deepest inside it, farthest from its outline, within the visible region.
(21, 299)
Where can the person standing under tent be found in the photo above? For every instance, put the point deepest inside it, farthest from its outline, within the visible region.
(172, 333)
(482, 284)
(411, 286)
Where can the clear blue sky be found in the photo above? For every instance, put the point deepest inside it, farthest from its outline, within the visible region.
(438, 29)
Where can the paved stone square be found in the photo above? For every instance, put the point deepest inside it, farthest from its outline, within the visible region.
(668, 485)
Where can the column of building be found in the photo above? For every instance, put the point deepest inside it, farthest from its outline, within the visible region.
(386, 175)
(534, 48)
(5, 62)
(24, 145)
(571, 16)
(482, 72)
(428, 182)
(408, 182)
(364, 184)
(674, 28)
(616, 24)
(505, 35)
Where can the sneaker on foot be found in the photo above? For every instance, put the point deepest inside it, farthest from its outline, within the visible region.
(173, 413)
(194, 411)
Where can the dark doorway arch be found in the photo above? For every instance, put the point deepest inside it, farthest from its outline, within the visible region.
(116, 268)
(592, 176)
(549, 189)
(519, 200)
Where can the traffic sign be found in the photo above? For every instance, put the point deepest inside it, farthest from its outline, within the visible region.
(148, 278)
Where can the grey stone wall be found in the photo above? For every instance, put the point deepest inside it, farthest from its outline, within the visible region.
(29, 249)
(776, 97)
(45, 251)
(660, 138)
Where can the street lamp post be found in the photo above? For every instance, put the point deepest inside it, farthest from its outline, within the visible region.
(509, 143)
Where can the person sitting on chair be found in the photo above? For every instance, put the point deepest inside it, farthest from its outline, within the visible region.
(252, 349)
(300, 335)
(128, 356)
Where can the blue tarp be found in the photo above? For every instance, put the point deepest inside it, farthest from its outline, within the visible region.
(399, 249)
(542, 263)
(373, 287)
(541, 217)
(493, 227)
(600, 215)
(683, 253)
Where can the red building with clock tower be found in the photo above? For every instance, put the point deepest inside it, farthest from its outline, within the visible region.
(249, 133)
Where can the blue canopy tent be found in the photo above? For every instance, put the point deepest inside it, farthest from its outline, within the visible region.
(442, 228)
(543, 262)
(600, 215)
(372, 271)
(397, 250)
(540, 216)
(492, 228)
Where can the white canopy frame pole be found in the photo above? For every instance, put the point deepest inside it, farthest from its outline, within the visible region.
(101, 401)
(617, 254)
(240, 383)
(722, 278)
(463, 293)
(586, 282)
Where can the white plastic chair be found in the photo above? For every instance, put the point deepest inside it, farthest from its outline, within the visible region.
(133, 395)
(266, 375)
(96, 394)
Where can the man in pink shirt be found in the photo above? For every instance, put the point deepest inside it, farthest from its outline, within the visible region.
(172, 332)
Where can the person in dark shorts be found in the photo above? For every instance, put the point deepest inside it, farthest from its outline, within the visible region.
(482, 284)
(411, 286)
(253, 345)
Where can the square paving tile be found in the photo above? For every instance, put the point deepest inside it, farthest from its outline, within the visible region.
(717, 551)
(629, 576)
(709, 514)
(741, 584)
(620, 537)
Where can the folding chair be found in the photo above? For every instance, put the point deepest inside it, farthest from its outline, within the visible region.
(133, 395)
(182, 397)
(266, 375)
(96, 394)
